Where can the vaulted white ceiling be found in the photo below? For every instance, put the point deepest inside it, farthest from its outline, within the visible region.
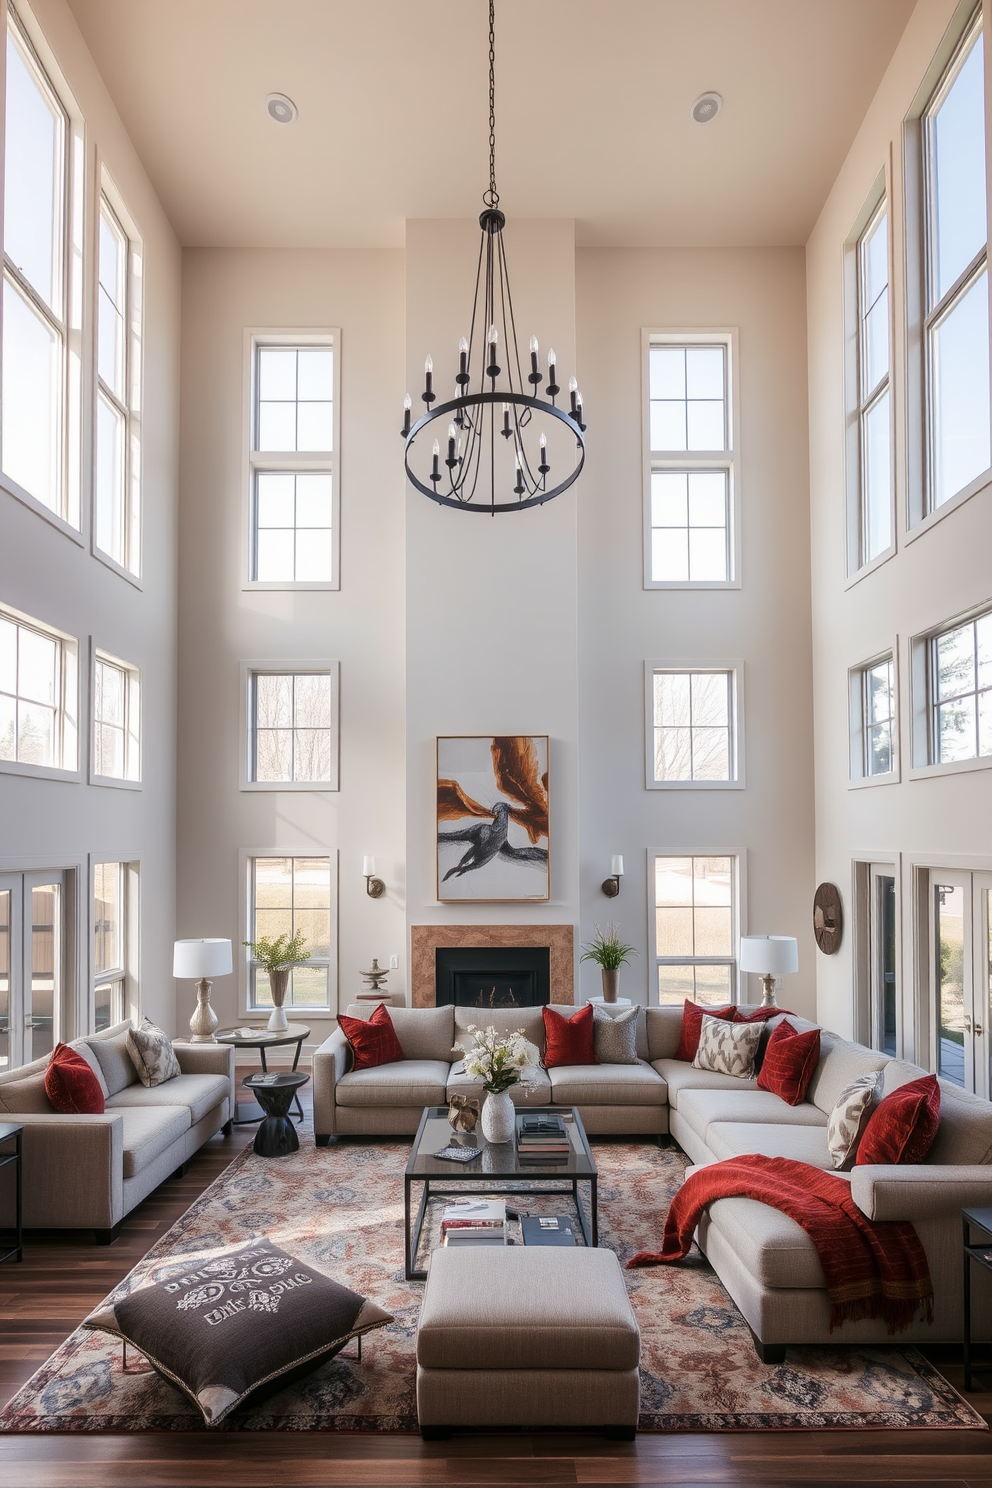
(593, 122)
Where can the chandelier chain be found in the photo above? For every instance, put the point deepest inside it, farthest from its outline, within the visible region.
(491, 197)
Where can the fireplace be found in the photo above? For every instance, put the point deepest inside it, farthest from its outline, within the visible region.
(487, 977)
(556, 941)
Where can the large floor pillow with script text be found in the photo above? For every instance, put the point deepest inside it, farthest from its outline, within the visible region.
(225, 1326)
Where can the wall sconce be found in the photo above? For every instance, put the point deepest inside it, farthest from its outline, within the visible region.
(374, 887)
(611, 885)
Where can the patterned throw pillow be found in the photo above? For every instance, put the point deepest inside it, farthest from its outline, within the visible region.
(727, 1048)
(692, 1022)
(373, 1040)
(152, 1053)
(221, 1328)
(902, 1127)
(848, 1119)
(615, 1035)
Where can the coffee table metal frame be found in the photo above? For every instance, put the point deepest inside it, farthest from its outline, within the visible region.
(12, 1131)
(261, 1039)
(443, 1180)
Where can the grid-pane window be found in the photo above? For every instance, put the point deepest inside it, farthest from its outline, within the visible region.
(878, 716)
(957, 309)
(691, 463)
(33, 418)
(693, 726)
(695, 929)
(874, 416)
(292, 459)
(116, 719)
(117, 503)
(37, 696)
(292, 727)
(290, 896)
(109, 934)
(961, 691)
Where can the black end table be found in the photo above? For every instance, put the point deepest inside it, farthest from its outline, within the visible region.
(276, 1137)
(980, 1251)
(11, 1132)
(261, 1039)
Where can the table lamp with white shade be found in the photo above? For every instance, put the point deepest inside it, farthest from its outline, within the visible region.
(769, 956)
(201, 959)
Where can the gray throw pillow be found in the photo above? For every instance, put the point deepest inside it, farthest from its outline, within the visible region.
(152, 1053)
(222, 1328)
(115, 1061)
(615, 1035)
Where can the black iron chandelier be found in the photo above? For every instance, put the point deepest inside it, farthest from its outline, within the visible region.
(491, 427)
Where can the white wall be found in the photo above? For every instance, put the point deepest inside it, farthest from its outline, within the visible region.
(939, 574)
(55, 824)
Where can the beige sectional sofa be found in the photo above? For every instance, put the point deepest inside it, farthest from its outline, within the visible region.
(764, 1259)
(88, 1172)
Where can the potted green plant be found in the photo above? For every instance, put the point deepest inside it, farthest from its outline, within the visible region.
(277, 955)
(610, 953)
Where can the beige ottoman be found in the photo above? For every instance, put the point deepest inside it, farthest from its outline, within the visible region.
(527, 1337)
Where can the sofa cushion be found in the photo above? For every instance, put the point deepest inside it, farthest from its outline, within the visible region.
(607, 1085)
(148, 1131)
(806, 1144)
(789, 1061)
(841, 1062)
(699, 1108)
(115, 1061)
(615, 1034)
(965, 1131)
(424, 1033)
(529, 1021)
(898, 1072)
(409, 1082)
(663, 1032)
(903, 1125)
(83, 1047)
(728, 1048)
(776, 1250)
(200, 1093)
(538, 1094)
(679, 1076)
(568, 1040)
(71, 1085)
(26, 1096)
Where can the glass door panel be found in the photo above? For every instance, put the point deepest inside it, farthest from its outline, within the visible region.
(950, 970)
(882, 929)
(46, 959)
(5, 957)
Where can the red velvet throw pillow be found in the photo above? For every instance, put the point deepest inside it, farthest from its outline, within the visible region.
(903, 1125)
(569, 1040)
(692, 1026)
(71, 1085)
(373, 1041)
(789, 1062)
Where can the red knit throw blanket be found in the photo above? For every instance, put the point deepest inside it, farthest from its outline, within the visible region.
(873, 1270)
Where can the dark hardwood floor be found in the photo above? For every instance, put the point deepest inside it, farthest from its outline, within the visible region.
(62, 1278)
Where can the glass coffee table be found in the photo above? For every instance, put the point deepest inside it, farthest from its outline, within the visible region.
(496, 1168)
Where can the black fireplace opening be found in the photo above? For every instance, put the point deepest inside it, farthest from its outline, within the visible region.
(487, 977)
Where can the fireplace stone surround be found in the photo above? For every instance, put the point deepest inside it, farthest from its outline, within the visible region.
(426, 939)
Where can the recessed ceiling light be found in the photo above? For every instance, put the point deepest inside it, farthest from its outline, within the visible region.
(281, 108)
(706, 107)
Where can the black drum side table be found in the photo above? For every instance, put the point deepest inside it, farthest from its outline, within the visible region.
(11, 1132)
(276, 1136)
(980, 1251)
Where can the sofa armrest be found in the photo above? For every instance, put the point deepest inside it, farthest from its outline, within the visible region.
(209, 1059)
(72, 1171)
(330, 1062)
(920, 1190)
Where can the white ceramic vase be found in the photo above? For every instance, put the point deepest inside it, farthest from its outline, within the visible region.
(497, 1117)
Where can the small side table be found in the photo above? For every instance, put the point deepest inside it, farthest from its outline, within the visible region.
(11, 1132)
(980, 1251)
(623, 1002)
(276, 1136)
(261, 1039)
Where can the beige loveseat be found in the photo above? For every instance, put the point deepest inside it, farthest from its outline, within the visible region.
(88, 1172)
(764, 1259)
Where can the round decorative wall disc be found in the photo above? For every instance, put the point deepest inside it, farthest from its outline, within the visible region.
(828, 918)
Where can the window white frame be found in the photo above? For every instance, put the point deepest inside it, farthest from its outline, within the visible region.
(123, 977)
(858, 700)
(735, 672)
(67, 705)
(725, 460)
(922, 651)
(65, 321)
(256, 461)
(738, 859)
(246, 866)
(128, 408)
(281, 668)
(130, 728)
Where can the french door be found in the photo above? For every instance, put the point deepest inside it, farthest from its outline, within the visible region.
(882, 947)
(961, 976)
(32, 919)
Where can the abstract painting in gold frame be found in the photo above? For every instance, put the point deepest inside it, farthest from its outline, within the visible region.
(492, 819)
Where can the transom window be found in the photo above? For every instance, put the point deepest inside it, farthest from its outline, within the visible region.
(117, 503)
(874, 416)
(290, 896)
(109, 943)
(38, 695)
(694, 732)
(877, 717)
(961, 691)
(116, 719)
(956, 277)
(696, 929)
(293, 539)
(293, 728)
(689, 536)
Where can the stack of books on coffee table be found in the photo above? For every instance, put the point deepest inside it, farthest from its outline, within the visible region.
(542, 1139)
(474, 1222)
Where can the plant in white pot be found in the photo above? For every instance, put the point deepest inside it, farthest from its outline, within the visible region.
(500, 1061)
(610, 953)
(277, 955)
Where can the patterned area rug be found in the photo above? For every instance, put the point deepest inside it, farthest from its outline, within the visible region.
(341, 1209)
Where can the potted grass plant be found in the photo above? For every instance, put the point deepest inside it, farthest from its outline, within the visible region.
(277, 955)
(609, 953)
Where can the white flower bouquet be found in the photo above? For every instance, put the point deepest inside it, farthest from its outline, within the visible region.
(500, 1060)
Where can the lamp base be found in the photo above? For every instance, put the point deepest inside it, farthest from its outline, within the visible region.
(768, 982)
(204, 1019)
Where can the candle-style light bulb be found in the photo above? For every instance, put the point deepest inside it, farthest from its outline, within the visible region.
(435, 463)
(553, 387)
(428, 364)
(428, 393)
(451, 432)
(451, 446)
(573, 385)
(493, 336)
(437, 449)
(462, 377)
(407, 405)
(544, 445)
(463, 345)
(573, 389)
(408, 402)
(533, 343)
(552, 359)
(506, 430)
(535, 375)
